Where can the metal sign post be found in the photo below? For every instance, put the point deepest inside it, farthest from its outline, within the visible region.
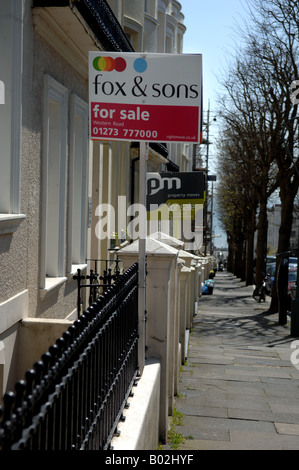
(142, 255)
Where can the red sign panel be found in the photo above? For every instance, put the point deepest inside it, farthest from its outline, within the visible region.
(146, 122)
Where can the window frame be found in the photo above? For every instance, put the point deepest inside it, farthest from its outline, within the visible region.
(11, 52)
(78, 166)
(54, 92)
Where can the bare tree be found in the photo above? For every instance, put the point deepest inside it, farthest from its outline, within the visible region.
(278, 28)
(258, 85)
(246, 113)
(239, 168)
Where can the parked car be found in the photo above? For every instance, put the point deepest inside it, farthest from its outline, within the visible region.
(271, 259)
(270, 273)
(292, 276)
(292, 285)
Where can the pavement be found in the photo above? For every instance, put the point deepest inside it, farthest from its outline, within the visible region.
(239, 389)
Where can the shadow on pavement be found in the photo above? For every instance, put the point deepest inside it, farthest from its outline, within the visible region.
(232, 313)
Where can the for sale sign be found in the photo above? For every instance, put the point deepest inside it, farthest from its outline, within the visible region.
(149, 97)
(175, 193)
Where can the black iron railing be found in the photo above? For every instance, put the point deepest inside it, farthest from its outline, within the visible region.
(96, 283)
(74, 397)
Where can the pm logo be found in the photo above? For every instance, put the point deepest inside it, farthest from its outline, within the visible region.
(156, 183)
(2, 93)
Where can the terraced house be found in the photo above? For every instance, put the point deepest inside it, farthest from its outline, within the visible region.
(52, 176)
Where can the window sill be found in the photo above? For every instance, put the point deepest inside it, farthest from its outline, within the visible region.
(52, 284)
(75, 267)
(9, 223)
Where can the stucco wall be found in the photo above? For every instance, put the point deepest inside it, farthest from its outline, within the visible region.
(40, 58)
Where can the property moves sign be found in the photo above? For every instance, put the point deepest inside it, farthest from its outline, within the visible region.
(179, 194)
(145, 97)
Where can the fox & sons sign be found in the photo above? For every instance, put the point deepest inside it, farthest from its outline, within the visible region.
(145, 97)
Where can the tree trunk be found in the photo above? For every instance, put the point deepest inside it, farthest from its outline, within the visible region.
(239, 265)
(230, 257)
(250, 250)
(261, 247)
(249, 259)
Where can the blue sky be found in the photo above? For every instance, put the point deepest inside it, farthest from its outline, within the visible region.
(212, 32)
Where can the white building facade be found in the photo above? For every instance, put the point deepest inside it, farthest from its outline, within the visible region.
(52, 176)
(274, 221)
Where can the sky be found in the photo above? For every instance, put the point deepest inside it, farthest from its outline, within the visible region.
(212, 30)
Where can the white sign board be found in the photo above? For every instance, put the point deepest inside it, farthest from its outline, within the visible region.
(145, 97)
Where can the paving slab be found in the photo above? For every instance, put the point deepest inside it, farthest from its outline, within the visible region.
(238, 389)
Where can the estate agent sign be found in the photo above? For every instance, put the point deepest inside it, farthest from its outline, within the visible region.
(178, 193)
(145, 97)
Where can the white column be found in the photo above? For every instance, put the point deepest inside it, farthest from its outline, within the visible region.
(160, 324)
